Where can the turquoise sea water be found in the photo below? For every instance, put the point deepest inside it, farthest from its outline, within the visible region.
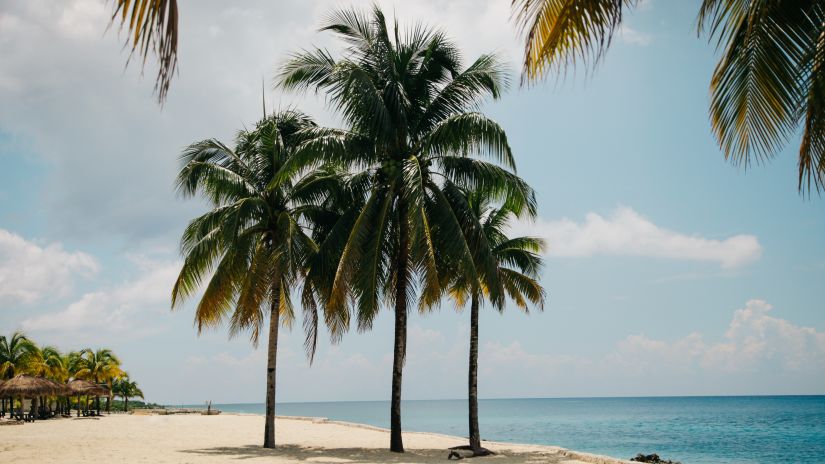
(693, 430)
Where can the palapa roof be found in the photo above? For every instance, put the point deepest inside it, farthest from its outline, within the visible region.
(29, 386)
(64, 389)
(84, 387)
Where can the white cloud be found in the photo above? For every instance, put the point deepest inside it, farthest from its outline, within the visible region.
(754, 335)
(627, 233)
(30, 272)
(756, 353)
(225, 52)
(116, 311)
(631, 36)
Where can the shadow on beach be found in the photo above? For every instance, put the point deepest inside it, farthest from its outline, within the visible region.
(365, 455)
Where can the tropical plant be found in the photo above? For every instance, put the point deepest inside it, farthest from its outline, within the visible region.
(16, 353)
(251, 242)
(98, 366)
(410, 107)
(48, 362)
(152, 27)
(126, 388)
(517, 263)
(768, 82)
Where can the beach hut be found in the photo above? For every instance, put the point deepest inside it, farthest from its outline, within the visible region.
(27, 386)
(80, 387)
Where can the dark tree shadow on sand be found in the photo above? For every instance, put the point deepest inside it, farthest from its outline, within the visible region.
(367, 455)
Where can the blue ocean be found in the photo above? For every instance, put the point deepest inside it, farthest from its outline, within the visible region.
(693, 430)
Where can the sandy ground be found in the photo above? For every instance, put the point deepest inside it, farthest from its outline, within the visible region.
(228, 438)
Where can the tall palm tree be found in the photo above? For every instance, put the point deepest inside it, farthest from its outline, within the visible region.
(768, 82)
(517, 263)
(410, 107)
(251, 245)
(126, 388)
(152, 28)
(98, 366)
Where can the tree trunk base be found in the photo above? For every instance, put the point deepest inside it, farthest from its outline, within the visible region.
(474, 452)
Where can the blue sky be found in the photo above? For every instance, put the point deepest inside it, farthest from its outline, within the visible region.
(664, 260)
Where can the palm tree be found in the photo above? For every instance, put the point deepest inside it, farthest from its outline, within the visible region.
(152, 27)
(126, 388)
(410, 107)
(768, 82)
(48, 362)
(517, 263)
(251, 242)
(100, 366)
(16, 353)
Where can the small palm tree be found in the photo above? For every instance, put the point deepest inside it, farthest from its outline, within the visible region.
(251, 245)
(16, 354)
(126, 388)
(516, 262)
(410, 106)
(769, 81)
(47, 362)
(99, 366)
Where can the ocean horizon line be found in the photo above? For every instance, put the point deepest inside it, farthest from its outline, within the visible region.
(792, 395)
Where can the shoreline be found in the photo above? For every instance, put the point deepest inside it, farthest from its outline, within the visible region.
(196, 438)
(578, 455)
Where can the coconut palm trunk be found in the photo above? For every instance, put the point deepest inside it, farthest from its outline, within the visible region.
(271, 355)
(125, 404)
(475, 434)
(400, 345)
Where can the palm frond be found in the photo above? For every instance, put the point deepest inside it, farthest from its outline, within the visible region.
(561, 33)
(152, 27)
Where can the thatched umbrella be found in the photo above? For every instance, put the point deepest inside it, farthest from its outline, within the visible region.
(84, 387)
(27, 386)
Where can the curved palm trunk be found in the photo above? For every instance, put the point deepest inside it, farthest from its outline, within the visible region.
(272, 351)
(400, 345)
(125, 404)
(475, 434)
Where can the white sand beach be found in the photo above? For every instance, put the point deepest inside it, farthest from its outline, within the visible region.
(227, 437)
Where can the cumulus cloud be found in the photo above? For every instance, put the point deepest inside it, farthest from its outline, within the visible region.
(30, 272)
(116, 311)
(756, 353)
(226, 50)
(626, 232)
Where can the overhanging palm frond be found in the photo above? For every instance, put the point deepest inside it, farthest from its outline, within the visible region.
(152, 27)
(561, 33)
(755, 89)
(769, 80)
